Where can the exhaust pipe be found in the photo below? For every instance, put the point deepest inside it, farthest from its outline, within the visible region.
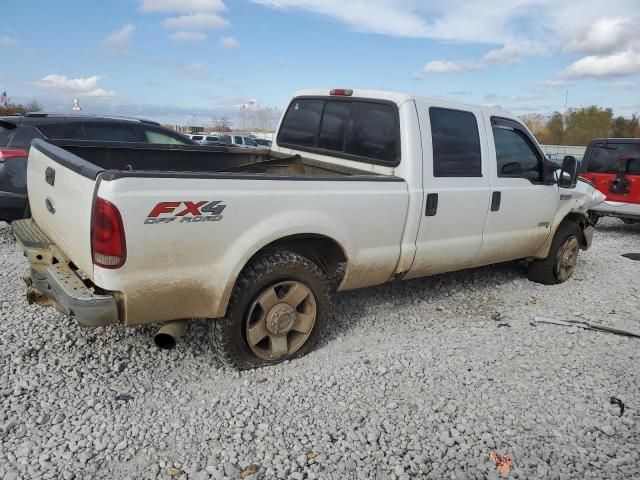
(169, 333)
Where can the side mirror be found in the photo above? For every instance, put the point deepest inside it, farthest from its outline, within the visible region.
(512, 169)
(568, 172)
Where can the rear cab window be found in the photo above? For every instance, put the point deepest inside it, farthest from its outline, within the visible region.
(356, 129)
(607, 158)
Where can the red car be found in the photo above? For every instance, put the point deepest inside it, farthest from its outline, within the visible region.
(613, 166)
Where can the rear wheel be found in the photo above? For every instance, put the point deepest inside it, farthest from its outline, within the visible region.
(561, 261)
(277, 311)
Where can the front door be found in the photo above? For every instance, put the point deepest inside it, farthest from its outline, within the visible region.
(456, 188)
(522, 205)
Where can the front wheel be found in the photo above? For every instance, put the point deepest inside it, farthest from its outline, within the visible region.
(561, 261)
(277, 311)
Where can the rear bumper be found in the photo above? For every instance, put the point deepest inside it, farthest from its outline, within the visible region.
(618, 209)
(55, 283)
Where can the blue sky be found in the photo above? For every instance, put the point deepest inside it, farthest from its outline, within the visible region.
(187, 61)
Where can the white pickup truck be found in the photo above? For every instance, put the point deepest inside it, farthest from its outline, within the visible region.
(361, 187)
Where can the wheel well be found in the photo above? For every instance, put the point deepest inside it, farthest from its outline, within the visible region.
(325, 252)
(580, 220)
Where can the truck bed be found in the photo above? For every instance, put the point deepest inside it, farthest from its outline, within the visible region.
(182, 260)
(93, 158)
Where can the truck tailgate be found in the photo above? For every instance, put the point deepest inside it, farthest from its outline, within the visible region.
(61, 188)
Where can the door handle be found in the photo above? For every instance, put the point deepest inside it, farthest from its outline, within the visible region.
(432, 205)
(495, 201)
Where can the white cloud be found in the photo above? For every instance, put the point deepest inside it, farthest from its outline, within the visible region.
(511, 53)
(119, 42)
(7, 41)
(615, 65)
(87, 87)
(229, 43)
(196, 21)
(604, 36)
(185, 6)
(445, 67)
(188, 37)
(375, 16)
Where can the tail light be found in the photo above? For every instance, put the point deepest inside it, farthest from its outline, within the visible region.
(341, 92)
(108, 246)
(7, 153)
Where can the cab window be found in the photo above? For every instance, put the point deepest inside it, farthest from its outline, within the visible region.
(515, 155)
(456, 143)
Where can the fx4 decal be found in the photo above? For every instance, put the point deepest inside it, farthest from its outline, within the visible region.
(186, 212)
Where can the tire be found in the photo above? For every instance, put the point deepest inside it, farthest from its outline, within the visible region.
(560, 263)
(265, 324)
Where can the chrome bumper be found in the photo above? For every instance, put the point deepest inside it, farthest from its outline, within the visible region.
(618, 209)
(57, 284)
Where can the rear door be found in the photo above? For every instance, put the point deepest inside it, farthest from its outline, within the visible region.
(456, 188)
(522, 205)
(608, 160)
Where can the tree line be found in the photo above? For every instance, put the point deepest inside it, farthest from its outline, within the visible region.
(579, 125)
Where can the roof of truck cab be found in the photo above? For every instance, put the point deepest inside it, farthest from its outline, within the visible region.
(401, 97)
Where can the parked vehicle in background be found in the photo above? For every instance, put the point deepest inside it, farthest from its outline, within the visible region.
(557, 158)
(210, 140)
(613, 166)
(262, 142)
(361, 187)
(17, 132)
(235, 140)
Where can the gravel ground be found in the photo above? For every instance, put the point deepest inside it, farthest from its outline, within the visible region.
(418, 379)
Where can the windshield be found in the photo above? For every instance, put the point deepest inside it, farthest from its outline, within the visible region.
(607, 158)
(7, 131)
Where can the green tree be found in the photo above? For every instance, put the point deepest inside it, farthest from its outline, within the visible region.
(622, 127)
(584, 124)
(555, 129)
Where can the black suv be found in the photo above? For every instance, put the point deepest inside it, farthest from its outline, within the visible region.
(17, 131)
